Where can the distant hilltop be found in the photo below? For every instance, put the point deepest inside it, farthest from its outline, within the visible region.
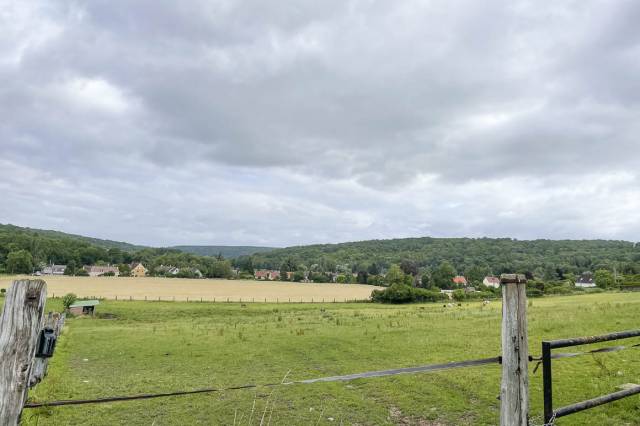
(228, 252)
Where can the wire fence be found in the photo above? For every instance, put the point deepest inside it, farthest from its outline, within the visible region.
(363, 375)
(224, 299)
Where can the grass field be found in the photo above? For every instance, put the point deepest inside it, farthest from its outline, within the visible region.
(164, 346)
(207, 289)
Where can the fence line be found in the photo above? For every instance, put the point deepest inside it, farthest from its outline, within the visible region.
(217, 299)
(347, 377)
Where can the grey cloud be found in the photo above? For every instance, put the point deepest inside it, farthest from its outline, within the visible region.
(342, 107)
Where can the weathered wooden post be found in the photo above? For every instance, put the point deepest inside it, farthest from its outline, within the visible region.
(19, 330)
(514, 390)
(54, 322)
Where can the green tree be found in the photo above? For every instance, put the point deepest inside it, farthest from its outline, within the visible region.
(443, 275)
(426, 280)
(71, 268)
(409, 267)
(19, 262)
(604, 278)
(373, 269)
(476, 274)
(395, 276)
(68, 300)
(221, 269)
(125, 270)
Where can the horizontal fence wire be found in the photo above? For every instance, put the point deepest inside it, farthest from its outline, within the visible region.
(379, 373)
(561, 355)
(347, 377)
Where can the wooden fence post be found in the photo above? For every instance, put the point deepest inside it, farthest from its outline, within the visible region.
(55, 322)
(514, 390)
(19, 330)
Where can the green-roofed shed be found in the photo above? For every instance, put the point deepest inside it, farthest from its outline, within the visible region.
(83, 307)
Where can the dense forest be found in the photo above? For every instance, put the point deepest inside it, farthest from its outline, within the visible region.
(544, 259)
(226, 251)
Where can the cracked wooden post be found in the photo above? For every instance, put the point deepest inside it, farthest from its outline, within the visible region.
(514, 390)
(20, 326)
(55, 322)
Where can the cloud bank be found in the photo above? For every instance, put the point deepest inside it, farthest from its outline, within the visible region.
(248, 122)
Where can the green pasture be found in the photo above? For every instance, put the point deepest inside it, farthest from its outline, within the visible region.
(144, 347)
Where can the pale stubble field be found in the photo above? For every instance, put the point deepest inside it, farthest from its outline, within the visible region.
(168, 289)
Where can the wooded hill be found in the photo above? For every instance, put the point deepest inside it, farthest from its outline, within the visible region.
(23, 250)
(228, 252)
(548, 259)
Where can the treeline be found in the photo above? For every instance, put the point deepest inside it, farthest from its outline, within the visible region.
(547, 260)
(22, 251)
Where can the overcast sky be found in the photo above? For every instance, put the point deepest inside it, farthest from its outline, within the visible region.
(294, 122)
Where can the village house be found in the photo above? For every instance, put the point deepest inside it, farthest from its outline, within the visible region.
(54, 269)
(585, 281)
(138, 270)
(491, 281)
(97, 270)
(267, 274)
(459, 280)
(83, 307)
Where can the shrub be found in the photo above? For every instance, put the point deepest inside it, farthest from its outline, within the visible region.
(68, 300)
(534, 292)
(81, 273)
(2, 292)
(558, 290)
(108, 274)
(459, 295)
(401, 293)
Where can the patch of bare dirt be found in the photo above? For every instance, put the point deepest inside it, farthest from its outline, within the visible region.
(396, 416)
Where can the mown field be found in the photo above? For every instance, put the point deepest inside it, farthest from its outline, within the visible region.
(140, 347)
(152, 288)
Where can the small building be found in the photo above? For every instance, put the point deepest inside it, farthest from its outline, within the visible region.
(97, 270)
(54, 269)
(459, 280)
(585, 281)
(449, 293)
(84, 307)
(491, 281)
(138, 270)
(267, 274)
(261, 274)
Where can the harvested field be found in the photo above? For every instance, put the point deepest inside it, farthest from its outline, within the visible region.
(205, 289)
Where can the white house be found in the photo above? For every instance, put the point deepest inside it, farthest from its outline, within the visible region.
(54, 269)
(98, 270)
(491, 281)
(585, 281)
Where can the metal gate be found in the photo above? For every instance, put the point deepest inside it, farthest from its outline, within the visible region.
(550, 414)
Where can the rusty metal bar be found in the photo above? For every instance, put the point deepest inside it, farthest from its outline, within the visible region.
(590, 403)
(563, 343)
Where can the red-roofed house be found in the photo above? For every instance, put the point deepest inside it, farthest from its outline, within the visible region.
(459, 280)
